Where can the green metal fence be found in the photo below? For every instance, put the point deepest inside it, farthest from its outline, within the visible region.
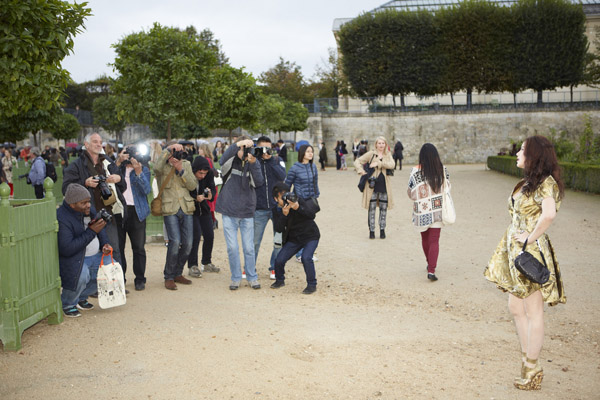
(29, 270)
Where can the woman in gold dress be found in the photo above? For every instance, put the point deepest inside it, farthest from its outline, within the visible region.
(532, 205)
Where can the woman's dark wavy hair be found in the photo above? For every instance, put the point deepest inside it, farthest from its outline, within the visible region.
(540, 162)
(432, 169)
(302, 150)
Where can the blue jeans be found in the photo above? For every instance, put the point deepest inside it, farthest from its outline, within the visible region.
(180, 229)
(86, 284)
(288, 250)
(261, 218)
(230, 229)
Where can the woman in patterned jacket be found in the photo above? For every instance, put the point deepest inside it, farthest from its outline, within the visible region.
(425, 188)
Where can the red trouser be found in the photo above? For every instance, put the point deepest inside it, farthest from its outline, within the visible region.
(430, 239)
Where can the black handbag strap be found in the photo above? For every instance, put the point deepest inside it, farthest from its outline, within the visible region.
(541, 253)
(313, 179)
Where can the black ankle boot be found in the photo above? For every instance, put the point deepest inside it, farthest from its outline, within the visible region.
(371, 235)
(382, 233)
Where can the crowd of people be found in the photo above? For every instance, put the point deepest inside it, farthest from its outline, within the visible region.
(106, 200)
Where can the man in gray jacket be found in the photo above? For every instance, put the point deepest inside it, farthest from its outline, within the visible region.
(237, 202)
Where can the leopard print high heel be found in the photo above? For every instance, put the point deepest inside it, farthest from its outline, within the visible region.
(531, 377)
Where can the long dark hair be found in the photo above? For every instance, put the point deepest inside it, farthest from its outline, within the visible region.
(432, 169)
(302, 150)
(540, 162)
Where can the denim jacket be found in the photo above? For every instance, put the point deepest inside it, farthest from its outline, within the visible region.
(140, 186)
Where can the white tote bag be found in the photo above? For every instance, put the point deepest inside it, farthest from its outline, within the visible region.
(111, 284)
(448, 211)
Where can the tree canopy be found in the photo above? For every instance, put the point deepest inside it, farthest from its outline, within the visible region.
(36, 36)
(286, 80)
(164, 75)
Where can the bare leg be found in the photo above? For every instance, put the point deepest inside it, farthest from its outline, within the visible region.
(516, 307)
(534, 307)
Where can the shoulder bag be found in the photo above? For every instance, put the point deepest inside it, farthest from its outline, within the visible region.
(448, 211)
(529, 266)
(156, 204)
(362, 182)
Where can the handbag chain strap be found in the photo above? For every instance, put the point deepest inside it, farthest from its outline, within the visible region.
(541, 253)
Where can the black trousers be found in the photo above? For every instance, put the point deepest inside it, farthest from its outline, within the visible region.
(136, 230)
(39, 191)
(203, 226)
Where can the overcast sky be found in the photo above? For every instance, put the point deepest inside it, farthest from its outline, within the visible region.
(253, 34)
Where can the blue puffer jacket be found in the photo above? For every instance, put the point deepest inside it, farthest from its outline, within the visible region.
(73, 238)
(301, 177)
(273, 172)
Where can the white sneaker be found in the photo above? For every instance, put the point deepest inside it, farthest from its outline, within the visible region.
(315, 259)
(195, 272)
(272, 275)
(299, 259)
(244, 274)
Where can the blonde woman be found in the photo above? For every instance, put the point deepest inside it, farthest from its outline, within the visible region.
(378, 190)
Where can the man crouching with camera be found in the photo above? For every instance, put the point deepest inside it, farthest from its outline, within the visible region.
(295, 218)
(175, 173)
(81, 235)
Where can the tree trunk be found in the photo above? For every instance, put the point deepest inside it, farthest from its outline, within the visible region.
(402, 105)
(452, 99)
(539, 98)
(469, 98)
(35, 139)
(168, 130)
(515, 99)
(231, 130)
(394, 102)
(571, 89)
(294, 140)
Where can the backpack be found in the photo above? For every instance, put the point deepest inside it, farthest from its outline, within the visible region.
(51, 172)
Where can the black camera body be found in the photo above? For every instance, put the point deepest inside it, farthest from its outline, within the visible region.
(179, 154)
(102, 214)
(105, 191)
(206, 192)
(249, 150)
(133, 153)
(372, 181)
(260, 151)
(289, 197)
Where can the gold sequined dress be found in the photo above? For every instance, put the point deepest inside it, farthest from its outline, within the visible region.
(525, 212)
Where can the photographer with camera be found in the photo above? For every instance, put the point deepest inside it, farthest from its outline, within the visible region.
(177, 209)
(295, 218)
(102, 178)
(272, 172)
(378, 190)
(203, 222)
(237, 203)
(82, 242)
(137, 177)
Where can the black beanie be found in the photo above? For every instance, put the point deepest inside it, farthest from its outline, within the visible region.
(200, 163)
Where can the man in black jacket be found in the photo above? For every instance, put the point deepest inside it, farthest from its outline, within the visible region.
(85, 171)
(296, 219)
(203, 223)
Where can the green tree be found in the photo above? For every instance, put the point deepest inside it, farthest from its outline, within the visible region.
(65, 127)
(270, 114)
(33, 121)
(328, 82)
(211, 42)
(36, 36)
(165, 75)
(361, 47)
(106, 114)
(551, 45)
(286, 80)
(84, 94)
(235, 100)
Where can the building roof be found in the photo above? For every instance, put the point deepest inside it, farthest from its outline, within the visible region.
(590, 7)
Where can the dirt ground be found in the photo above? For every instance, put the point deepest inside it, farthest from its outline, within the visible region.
(375, 329)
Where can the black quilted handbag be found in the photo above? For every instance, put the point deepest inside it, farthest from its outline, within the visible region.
(529, 266)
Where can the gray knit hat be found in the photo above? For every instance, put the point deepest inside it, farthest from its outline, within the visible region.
(76, 193)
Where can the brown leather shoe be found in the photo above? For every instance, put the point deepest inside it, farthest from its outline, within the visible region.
(181, 279)
(170, 284)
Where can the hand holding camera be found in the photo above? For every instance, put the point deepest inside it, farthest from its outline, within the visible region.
(206, 195)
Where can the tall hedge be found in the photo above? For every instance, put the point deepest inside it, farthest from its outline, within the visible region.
(475, 45)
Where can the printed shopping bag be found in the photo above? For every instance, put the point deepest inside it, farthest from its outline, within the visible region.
(111, 284)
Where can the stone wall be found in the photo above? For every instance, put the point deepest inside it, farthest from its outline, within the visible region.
(460, 137)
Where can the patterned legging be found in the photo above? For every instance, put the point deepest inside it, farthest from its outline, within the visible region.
(382, 199)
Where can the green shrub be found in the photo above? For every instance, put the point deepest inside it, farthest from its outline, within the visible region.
(583, 177)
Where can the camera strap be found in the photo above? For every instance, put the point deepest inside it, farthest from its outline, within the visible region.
(167, 179)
